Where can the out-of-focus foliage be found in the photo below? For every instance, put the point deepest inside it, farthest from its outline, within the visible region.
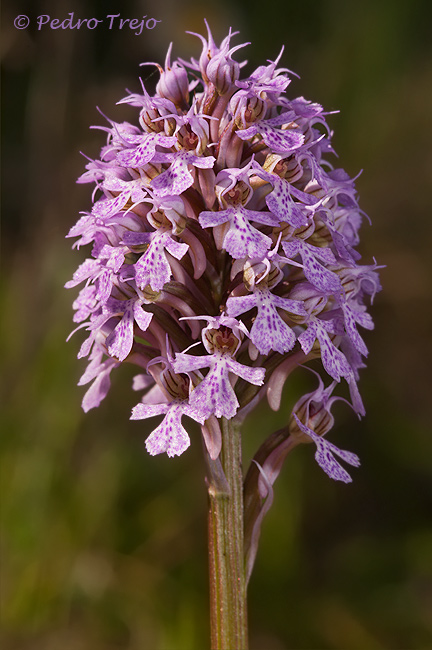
(104, 547)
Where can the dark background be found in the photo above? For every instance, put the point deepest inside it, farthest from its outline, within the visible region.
(104, 547)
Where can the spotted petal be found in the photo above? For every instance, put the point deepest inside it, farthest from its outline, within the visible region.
(252, 375)
(100, 386)
(215, 395)
(323, 279)
(174, 180)
(120, 341)
(350, 326)
(178, 178)
(143, 411)
(282, 142)
(190, 362)
(88, 269)
(270, 332)
(209, 219)
(152, 267)
(170, 436)
(176, 249)
(144, 153)
(237, 305)
(325, 458)
(243, 240)
(108, 207)
(85, 304)
(334, 361)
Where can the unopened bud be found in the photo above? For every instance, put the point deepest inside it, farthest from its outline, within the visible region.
(223, 72)
(173, 83)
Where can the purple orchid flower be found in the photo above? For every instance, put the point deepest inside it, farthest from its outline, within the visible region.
(221, 202)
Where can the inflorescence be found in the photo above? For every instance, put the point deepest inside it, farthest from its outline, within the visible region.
(218, 222)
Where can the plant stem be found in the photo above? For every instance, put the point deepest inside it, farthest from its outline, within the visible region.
(228, 614)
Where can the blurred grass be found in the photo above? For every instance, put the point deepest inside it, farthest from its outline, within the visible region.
(104, 547)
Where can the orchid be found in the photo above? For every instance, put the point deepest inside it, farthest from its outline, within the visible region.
(221, 202)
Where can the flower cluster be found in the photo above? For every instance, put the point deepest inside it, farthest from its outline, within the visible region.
(219, 222)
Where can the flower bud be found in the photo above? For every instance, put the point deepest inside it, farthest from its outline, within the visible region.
(223, 72)
(173, 83)
(209, 50)
(150, 120)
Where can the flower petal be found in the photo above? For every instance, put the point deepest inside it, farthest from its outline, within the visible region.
(239, 304)
(119, 342)
(325, 458)
(152, 267)
(215, 395)
(170, 436)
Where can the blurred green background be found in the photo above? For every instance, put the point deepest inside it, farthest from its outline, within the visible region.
(104, 547)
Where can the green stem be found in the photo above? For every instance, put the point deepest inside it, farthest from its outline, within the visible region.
(228, 616)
